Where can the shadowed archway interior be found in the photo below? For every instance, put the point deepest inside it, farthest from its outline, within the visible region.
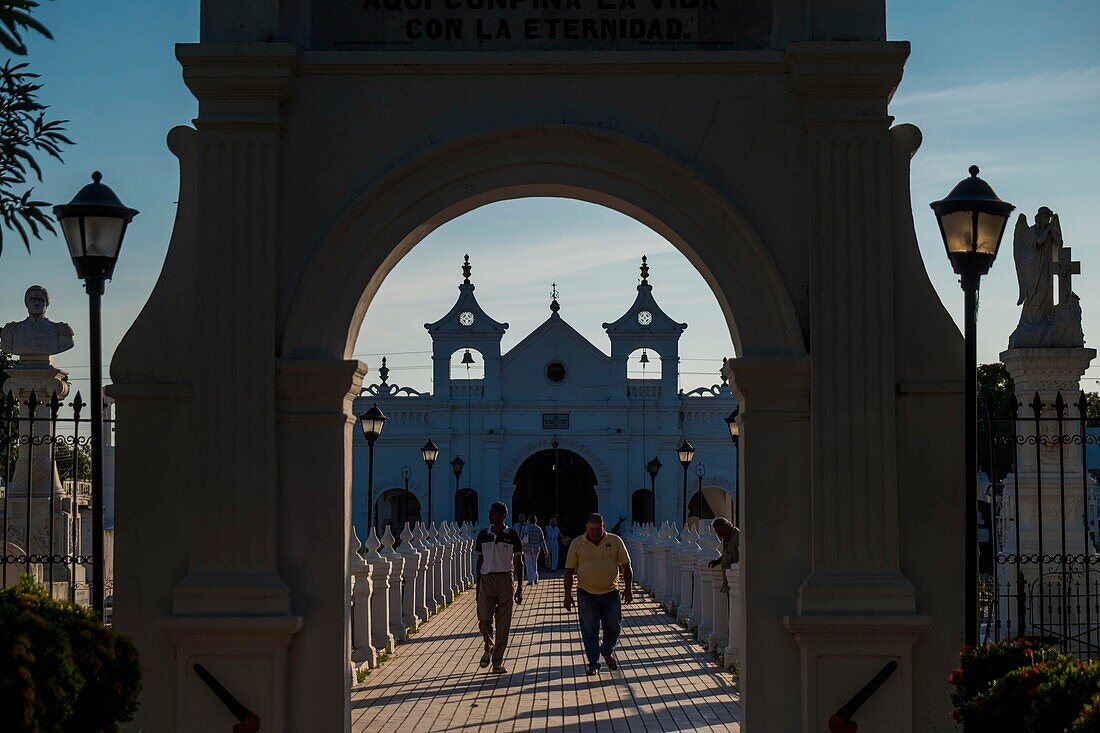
(564, 487)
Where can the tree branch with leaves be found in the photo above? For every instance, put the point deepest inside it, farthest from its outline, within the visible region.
(25, 131)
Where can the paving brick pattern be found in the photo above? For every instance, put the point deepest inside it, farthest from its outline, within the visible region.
(665, 681)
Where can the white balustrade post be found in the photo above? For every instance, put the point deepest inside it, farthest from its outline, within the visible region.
(397, 581)
(381, 577)
(672, 587)
(707, 589)
(422, 573)
(699, 566)
(732, 652)
(717, 639)
(362, 650)
(438, 595)
(471, 558)
(660, 551)
(646, 552)
(410, 608)
(454, 582)
(446, 557)
(689, 551)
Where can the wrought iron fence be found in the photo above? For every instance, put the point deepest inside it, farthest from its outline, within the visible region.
(45, 494)
(1039, 536)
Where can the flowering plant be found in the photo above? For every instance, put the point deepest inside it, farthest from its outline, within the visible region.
(1023, 687)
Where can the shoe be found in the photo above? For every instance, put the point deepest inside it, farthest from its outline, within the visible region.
(611, 663)
(500, 670)
(485, 659)
(593, 669)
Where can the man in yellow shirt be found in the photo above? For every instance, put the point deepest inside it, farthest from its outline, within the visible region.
(596, 559)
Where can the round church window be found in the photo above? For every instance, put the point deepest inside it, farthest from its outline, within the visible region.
(555, 371)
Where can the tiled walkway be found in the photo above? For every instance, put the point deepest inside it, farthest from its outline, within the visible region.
(665, 681)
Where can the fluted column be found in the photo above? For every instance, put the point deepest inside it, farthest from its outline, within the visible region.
(382, 572)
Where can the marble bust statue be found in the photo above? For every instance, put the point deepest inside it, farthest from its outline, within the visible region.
(36, 338)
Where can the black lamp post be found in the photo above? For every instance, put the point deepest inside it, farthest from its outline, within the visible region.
(652, 468)
(972, 221)
(430, 452)
(700, 471)
(405, 473)
(94, 224)
(686, 454)
(456, 466)
(735, 436)
(372, 421)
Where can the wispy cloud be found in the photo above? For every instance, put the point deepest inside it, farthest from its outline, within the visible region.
(1038, 97)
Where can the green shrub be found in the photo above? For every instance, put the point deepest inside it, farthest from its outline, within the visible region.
(61, 669)
(1021, 687)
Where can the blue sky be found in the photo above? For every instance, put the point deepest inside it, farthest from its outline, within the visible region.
(1011, 85)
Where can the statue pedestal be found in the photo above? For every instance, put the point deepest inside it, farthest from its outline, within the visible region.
(35, 470)
(1045, 528)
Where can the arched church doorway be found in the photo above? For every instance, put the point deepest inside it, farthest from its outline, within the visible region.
(641, 507)
(711, 502)
(466, 506)
(556, 482)
(395, 507)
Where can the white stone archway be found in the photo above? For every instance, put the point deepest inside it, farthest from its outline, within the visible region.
(311, 173)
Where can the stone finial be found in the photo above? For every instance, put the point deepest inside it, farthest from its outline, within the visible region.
(673, 534)
(372, 544)
(419, 535)
(384, 371)
(554, 305)
(433, 534)
(466, 270)
(406, 540)
(388, 541)
(355, 561)
(690, 538)
(645, 270)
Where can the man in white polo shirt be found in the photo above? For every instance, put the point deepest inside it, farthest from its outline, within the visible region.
(499, 556)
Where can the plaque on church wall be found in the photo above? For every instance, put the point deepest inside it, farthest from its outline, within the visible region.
(555, 421)
(540, 25)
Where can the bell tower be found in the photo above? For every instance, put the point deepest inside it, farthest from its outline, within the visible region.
(466, 326)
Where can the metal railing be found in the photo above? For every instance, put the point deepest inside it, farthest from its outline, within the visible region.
(1038, 524)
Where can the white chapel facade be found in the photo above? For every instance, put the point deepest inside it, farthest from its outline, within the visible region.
(555, 426)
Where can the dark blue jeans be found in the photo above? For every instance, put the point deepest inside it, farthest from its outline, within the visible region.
(606, 609)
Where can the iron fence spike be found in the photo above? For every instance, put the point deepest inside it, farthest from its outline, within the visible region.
(1037, 405)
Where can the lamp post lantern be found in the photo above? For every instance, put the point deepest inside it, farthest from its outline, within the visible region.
(972, 220)
(94, 224)
(735, 436)
(652, 468)
(372, 421)
(456, 467)
(686, 454)
(430, 452)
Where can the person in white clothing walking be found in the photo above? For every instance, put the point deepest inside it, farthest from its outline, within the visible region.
(553, 540)
(534, 543)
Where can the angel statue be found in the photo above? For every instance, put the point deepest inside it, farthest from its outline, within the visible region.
(1040, 255)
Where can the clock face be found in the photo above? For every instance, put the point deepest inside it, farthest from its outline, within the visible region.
(466, 318)
(645, 318)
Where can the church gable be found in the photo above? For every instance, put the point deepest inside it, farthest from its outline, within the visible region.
(527, 371)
